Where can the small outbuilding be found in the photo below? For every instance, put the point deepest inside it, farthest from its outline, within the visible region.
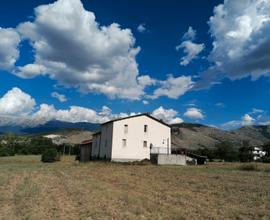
(85, 151)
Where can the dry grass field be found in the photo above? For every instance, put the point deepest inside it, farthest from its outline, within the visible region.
(30, 189)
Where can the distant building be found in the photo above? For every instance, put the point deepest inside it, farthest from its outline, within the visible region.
(132, 138)
(54, 137)
(258, 153)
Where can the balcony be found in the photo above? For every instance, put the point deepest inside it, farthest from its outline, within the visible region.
(160, 150)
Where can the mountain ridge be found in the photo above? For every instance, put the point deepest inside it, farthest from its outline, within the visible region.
(184, 135)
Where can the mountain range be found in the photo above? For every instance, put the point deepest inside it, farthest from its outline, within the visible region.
(50, 127)
(184, 135)
(194, 136)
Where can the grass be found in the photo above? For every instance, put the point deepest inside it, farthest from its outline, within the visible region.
(30, 189)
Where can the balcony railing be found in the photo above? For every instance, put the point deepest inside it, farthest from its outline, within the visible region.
(160, 150)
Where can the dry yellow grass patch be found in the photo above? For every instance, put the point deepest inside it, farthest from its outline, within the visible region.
(30, 189)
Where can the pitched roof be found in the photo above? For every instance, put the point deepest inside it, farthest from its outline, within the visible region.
(133, 116)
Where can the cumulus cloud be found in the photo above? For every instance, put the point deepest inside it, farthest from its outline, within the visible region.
(141, 28)
(20, 109)
(146, 80)
(167, 115)
(190, 48)
(254, 117)
(245, 121)
(74, 49)
(194, 113)
(16, 102)
(241, 41)
(9, 52)
(173, 87)
(60, 97)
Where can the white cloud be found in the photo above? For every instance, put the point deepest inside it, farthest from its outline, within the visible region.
(16, 102)
(9, 53)
(190, 48)
(19, 109)
(263, 119)
(256, 111)
(146, 80)
(194, 113)
(245, 121)
(167, 115)
(145, 102)
(173, 87)
(190, 34)
(220, 105)
(74, 49)
(60, 97)
(30, 70)
(141, 28)
(241, 45)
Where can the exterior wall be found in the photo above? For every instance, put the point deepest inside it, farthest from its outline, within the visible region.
(102, 143)
(157, 135)
(85, 152)
(172, 159)
(95, 146)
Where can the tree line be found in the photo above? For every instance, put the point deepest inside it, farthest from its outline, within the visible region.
(226, 152)
(11, 145)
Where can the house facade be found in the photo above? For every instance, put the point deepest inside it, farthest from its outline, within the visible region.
(132, 139)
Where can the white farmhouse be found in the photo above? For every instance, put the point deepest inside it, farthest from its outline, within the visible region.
(131, 139)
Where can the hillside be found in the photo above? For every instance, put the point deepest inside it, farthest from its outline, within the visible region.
(49, 127)
(184, 135)
(194, 136)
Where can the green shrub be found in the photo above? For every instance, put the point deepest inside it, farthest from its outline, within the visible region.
(248, 167)
(265, 160)
(50, 155)
(6, 151)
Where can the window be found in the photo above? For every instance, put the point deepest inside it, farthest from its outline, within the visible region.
(145, 128)
(124, 142)
(125, 129)
(144, 143)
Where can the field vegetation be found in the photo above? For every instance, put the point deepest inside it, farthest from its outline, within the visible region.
(30, 189)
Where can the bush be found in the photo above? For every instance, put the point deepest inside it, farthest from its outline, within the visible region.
(50, 155)
(226, 152)
(248, 167)
(6, 151)
(265, 160)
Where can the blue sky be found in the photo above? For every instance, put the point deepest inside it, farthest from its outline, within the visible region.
(193, 61)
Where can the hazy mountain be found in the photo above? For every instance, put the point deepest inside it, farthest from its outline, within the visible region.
(194, 136)
(50, 126)
(184, 135)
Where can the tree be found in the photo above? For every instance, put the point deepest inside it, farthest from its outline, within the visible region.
(50, 155)
(246, 152)
(266, 148)
(225, 151)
